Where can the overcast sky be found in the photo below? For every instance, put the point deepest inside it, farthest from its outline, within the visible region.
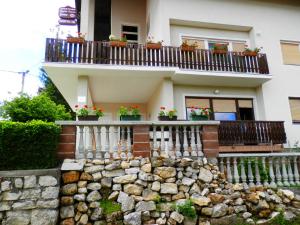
(24, 28)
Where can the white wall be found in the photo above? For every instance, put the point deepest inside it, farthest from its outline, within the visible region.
(180, 92)
(128, 12)
(162, 96)
(270, 21)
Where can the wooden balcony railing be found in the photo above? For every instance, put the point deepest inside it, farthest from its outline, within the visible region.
(251, 132)
(98, 52)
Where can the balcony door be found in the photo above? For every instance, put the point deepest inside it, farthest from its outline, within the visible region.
(223, 109)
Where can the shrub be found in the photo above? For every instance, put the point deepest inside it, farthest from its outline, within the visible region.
(30, 145)
(187, 209)
(109, 206)
(41, 107)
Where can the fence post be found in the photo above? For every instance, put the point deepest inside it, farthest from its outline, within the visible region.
(141, 141)
(67, 142)
(210, 140)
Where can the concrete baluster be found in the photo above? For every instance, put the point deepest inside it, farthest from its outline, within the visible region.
(115, 142)
(271, 173)
(162, 141)
(123, 143)
(199, 145)
(296, 172)
(177, 144)
(185, 142)
(98, 143)
(278, 173)
(266, 182)
(290, 171)
(228, 168)
(129, 152)
(81, 144)
(243, 172)
(170, 143)
(90, 142)
(193, 143)
(107, 144)
(250, 174)
(155, 146)
(257, 175)
(235, 172)
(221, 164)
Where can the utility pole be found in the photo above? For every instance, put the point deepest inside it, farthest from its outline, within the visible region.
(23, 80)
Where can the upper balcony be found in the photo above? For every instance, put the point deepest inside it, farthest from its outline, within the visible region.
(234, 68)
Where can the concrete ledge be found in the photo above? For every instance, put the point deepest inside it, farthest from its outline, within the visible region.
(38, 172)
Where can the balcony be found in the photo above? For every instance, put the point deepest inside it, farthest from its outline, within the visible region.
(100, 52)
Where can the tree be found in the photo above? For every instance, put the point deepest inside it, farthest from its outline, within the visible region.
(41, 107)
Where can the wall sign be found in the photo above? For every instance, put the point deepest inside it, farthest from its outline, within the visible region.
(67, 15)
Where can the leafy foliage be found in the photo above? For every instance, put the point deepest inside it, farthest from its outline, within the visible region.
(30, 145)
(41, 107)
(109, 206)
(187, 209)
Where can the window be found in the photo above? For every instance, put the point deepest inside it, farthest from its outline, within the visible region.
(290, 53)
(295, 109)
(131, 33)
(200, 44)
(223, 108)
(211, 44)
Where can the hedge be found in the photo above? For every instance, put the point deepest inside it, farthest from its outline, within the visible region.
(30, 145)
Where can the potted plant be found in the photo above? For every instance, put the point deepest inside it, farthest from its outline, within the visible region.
(187, 47)
(165, 115)
(80, 39)
(200, 113)
(84, 113)
(151, 44)
(117, 42)
(251, 52)
(129, 114)
(220, 48)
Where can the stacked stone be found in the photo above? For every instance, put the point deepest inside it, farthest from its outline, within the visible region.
(149, 191)
(29, 200)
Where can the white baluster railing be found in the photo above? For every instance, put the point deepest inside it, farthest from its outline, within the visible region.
(270, 170)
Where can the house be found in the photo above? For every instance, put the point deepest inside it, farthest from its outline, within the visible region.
(256, 95)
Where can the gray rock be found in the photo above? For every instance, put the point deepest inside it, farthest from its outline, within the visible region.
(50, 204)
(97, 176)
(19, 217)
(207, 211)
(18, 183)
(6, 185)
(46, 181)
(205, 175)
(226, 220)
(134, 218)
(93, 169)
(82, 207)
(24, 205)
(135, 163)
(145, 176)
(69, 166)
(83, 219)
(200, 200)
(67, 212)
(94, 186)
(134, 170)
(10, 196)
(113, 196)
(125, 179)
(31, 194)
(169, 188)
(194, 189)
(177, 217)
(190, 221)
(127, 203)
(106, 182)
(165, 172)
(113, 166)
(96, 214)
(133, 189)
(219, 210)
(246, 215)
(5, 206)
(93, 196)
(50, 192)
(82, 190)
(145, 206)
(44, 217)
(188, 181)
(29, 181)
(69, 189)
(79, 197)
(240, 208)
(288, 215)
(155, 186)
(117, 187)
(113, 173)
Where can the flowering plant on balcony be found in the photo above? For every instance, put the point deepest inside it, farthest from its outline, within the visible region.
(86, 113)
(220, 48)
(198, 113)
(185, 46)
(252, 52)
(152, 44)
(167, 114)
(79, 39)
(118, 42)
(129, 113)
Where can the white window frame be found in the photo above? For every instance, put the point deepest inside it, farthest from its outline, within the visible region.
(131, 25)
(207, 39)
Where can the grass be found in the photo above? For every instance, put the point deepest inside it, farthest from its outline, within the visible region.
(109, 206)
(187, 209)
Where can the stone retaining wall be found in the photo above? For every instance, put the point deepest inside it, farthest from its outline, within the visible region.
(29, 197)
(150, 191)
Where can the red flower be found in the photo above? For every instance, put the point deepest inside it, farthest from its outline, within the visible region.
(162, 108)
(76, 106)
(94, 108)
(85, 106)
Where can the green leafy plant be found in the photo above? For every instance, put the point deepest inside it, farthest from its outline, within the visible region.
(264, 173)
(187, 209)
(198, 111)
(222, 47)
(256, 50)
(151, 40)
(131, 111)
(109, 206)
(30, 145)
(85, 111)
(114, 38)
(186, 44)
(170, 113)
(41, 107)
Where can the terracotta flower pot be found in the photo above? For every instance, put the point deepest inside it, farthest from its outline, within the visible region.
(118, 44)
(77, 40)
(153, 45)
(188, 48)
(219, 52)
(250, 53)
